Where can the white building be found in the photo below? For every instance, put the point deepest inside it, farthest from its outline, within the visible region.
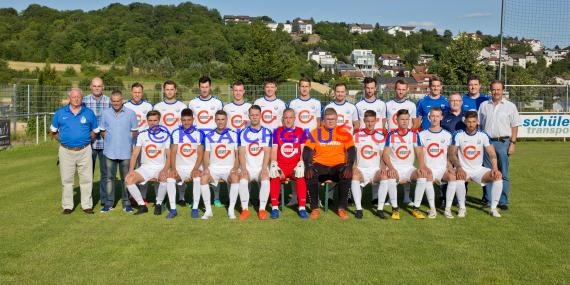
(364, 59)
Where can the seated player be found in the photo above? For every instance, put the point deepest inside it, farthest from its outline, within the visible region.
(221, 162)
(466, 154)
(435, 141)
(329, 154)
(186, 153)
(286, 163)
(154, 164)
(402, 146)
(254, 153)
(369, 143)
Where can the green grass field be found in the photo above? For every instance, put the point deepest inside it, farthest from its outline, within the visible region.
(527, 245)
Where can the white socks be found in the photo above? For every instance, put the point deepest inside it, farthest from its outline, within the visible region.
(393, 192)
(244, 193)
(161, 193)
(195, 193)
(382, 192)
(451, 188)
(496, 190)
(357, 194)
(461, 193)
(134, 190)
(205, 191)
(171, 190)
(263, 194)
(419, 193)
(430, 194)
(234, 191)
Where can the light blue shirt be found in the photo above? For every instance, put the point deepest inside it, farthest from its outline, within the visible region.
(118, 127)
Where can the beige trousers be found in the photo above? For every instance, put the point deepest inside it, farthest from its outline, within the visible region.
(69, 161)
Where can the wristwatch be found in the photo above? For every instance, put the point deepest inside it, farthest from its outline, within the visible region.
(513, 142)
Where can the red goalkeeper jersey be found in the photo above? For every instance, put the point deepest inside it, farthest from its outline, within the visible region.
(288, 141)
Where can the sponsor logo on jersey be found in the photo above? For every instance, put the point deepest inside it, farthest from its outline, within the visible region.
(204, 117)
(221, 151)
(433, 150)
(402, 152)
(254, 149)
(470, 152)
(267, 117)
(288, 150)
(305, 116)
(367, 152)
(169, 119)
(152, 151)
(237, 121)
(186, 150)
(141, 120)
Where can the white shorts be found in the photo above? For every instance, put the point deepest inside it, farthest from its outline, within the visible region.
(476, 174)
(437, 174)
(184, 172)
(367, 175)
(404, 172)
(149, 171)
(219, 172)
(254, 174)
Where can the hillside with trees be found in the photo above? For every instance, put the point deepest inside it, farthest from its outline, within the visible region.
(187, 40)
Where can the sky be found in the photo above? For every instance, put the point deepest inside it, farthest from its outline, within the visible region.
(454, 15)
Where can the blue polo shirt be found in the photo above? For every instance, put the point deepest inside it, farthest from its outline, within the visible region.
(118, 127)
(452, 123)
(425, 105)
(74, 130)
(470, 104)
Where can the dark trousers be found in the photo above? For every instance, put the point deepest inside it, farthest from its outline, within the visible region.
(325, 173)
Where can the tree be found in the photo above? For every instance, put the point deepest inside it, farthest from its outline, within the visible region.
(459, 61)
(264, 57)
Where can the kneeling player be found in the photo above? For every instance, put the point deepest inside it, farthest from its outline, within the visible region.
(402, 146)
(220, 162)
(466, 154)
(186, 153)
(154, 164)
(369, 144)
(286, 163)
(254, 153)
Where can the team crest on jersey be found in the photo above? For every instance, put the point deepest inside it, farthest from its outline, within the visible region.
(83, 120)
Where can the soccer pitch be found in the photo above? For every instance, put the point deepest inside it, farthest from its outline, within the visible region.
(527, 245)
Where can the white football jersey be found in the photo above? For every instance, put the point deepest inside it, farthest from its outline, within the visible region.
(377, 106)
(205, 111)
(306, 112)
(271, 112)
(140, 110)
(392, 108)
(238, 116)
(402, 147)
(255, 142)
(187, 143)
(369, 148)
(154, 146)
(222, 147)
(470, 148)
(170, 114)
(346, 112)
(435, 147)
